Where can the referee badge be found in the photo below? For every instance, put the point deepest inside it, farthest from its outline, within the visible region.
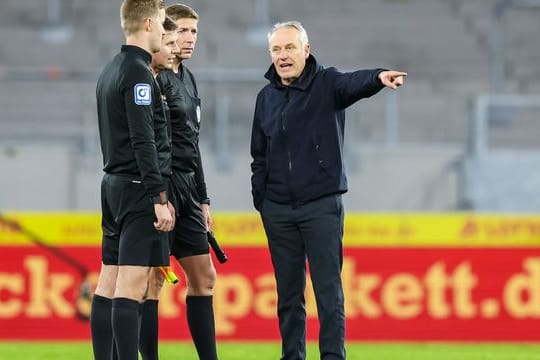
(143, 94)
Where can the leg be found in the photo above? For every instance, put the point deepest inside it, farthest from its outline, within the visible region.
(288, 258)
(190, 248)
(134, 246)
(322, 230)
(201, 278)
(100, 316)
(130, 288)
(200, 274)
(148, 335)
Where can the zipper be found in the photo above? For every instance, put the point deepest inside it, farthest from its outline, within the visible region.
(289, 160)
(283, 121)
(284, 129)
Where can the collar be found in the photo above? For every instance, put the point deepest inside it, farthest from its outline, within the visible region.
(145, 55)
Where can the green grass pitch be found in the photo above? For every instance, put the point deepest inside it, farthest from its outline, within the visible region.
(271, 351)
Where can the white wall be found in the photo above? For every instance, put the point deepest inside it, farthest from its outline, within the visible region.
(50, 177)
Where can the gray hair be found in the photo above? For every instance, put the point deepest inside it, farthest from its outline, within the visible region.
(293, 24)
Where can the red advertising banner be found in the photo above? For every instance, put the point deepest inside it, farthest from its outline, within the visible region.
(423, 293)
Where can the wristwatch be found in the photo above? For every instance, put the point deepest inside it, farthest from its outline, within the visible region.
(160, 199)
(205, 201)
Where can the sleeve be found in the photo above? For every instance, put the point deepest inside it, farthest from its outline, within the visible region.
(162, 81)
(193, 82)
(199, 179)
(199, 173)
(258, 153)
(138, 88)
(171, 93)
(353, 86)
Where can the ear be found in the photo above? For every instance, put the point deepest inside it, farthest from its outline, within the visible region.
(148, 24)
(307, 50)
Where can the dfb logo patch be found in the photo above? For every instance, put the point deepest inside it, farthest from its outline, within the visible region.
(143, 94)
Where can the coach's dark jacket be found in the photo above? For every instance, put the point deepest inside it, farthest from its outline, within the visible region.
(297, 135)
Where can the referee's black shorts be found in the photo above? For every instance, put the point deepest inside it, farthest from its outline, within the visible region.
(189, 236)
(129, 236)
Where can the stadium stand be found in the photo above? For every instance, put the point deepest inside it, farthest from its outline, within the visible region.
(49, 61)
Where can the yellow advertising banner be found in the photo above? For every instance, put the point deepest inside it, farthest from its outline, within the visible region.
(245, 229)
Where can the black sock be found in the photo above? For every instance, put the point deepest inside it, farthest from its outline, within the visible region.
(101, 327)
(125, 324)
(148, 335)
(200, 318)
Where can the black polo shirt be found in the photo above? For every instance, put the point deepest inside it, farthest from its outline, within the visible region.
(132, 142)
(185, 111)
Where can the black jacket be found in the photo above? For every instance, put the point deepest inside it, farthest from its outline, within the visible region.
(133, 141)
(297, 135)
(185, 112)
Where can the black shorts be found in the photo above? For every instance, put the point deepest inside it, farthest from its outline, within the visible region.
(189, 236)
(129, 236)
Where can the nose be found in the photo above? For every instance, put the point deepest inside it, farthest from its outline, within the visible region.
(283, 56)
(279, 54)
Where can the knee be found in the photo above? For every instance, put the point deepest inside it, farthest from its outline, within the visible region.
(208, 281)
(203, 283)
(107, 281)
(211, 279)
(155, 283)
(131, 284)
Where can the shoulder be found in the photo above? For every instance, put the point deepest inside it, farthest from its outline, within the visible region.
(165, 77)
(134, 72)
(264, 95)
(330, 72)
(189, 73)
(265, 91)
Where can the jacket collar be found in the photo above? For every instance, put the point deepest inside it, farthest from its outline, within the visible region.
(305, 79)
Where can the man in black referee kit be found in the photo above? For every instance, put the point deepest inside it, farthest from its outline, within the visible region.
(190, 242)
(149, 331)
(136, 214)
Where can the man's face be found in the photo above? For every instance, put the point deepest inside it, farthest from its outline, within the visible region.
(288, 54)
(157, 31)
(187, 37)
(165, 57)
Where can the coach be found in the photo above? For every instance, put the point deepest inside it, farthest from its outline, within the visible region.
(298, 177)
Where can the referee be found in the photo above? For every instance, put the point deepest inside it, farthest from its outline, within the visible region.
(148, 334)
(136, 214)
(190, 242)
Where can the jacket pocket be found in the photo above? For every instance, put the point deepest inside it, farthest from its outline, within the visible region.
(319, 151)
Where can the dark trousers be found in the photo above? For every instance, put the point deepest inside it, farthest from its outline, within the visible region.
(313, 231)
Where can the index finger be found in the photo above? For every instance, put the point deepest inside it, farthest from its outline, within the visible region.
(399, 73)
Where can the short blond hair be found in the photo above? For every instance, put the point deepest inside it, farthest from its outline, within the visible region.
(133, 13)
(181, 11)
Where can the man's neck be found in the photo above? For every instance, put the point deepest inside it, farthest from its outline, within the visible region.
(177, 66)
(139, 41)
